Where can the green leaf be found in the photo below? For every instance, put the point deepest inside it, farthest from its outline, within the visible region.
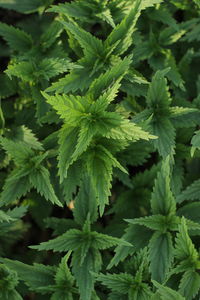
(100, 168)
(83, 272)
(69, 107)
(68, 137)
(16, 186)
(90, 44)
(25, 135)
(184, 116)
(40, 179)
(85, 137)
(122, 33)
(51, 34)
(4, 217)
(36, 276)
(8, 87)
(109, 81)
(16, 38)
(85, 202)
(196, 139)
(20, 152)
(73, 9)
(104, 241)
(129, 131)
(23, 6)
(162, 199)
(156, 222)
(32, 71)
(190, 284)
(191, 192)
(190, 211)
(165, 143)
(158, 96)
(120, 283)
(161, 254)
(64, 280)
(184, 248)
(75, 80)
(167, 293)
(9, 281)
(138, 236)
(74, 175)
(63, 243)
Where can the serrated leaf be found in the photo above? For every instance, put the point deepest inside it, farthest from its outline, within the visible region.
(158, 96)
(100, 168)
(184, 116)
(191, 192)
(35, 276)
(51, 34)
(123, 31)
(138, 236)
(162, 199)
(20, 152)
(16, 38)
(156, 222)
(4, 217)
(63, 243)
(120, 283)
(8, 87)
(189, 285)
(190, 211)
(22, 6)
(63, 278)
(109, 81)
(16, 186)
(68, 138)
(167, 293)
(25, 135)
(165, 143)
(82, 273)
(90, 44)
(85, 202)
(161, 254)
(69, 107)
(184, 248)
(40, 179)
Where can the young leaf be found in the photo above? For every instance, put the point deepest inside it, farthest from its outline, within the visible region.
(123, 32)
(110, 80)
(90, 44)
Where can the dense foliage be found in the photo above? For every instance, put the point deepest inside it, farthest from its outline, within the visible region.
(100, 150)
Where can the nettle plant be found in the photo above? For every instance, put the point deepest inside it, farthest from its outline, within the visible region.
(100, 150)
